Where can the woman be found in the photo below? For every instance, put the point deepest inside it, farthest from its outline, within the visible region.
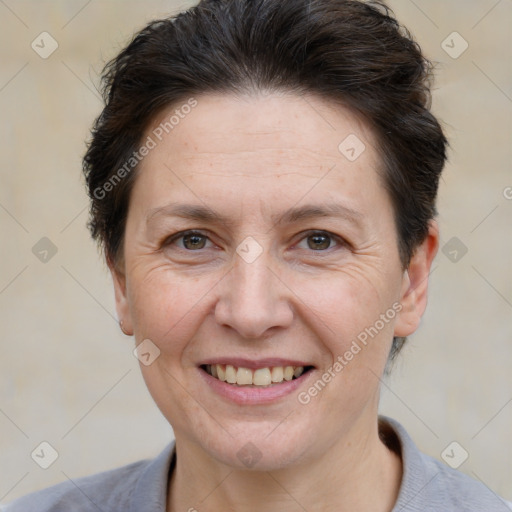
(263, 181)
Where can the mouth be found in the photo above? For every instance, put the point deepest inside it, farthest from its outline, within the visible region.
(266, 377)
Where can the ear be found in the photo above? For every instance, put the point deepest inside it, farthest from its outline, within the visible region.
(413, 296)
(122, 306)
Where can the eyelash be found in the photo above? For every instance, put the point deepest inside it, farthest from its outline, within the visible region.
(305, 236)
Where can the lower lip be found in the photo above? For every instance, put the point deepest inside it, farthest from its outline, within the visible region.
(253, 395)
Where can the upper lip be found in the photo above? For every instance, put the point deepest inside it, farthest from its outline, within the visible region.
(241, 362)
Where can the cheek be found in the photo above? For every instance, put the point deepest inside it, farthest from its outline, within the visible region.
(347, 306)
(343, 299)
(167, 308)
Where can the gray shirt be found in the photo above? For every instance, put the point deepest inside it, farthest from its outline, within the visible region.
(427, 485)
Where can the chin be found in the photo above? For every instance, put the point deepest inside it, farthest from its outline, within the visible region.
(261, 446)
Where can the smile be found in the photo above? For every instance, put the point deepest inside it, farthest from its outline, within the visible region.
(261, 377)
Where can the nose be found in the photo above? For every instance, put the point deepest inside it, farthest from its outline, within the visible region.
(253, 300)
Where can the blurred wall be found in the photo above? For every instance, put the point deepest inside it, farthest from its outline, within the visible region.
(68, 376)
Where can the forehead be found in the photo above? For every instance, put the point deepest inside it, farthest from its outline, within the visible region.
(280, 123)
(265, 149)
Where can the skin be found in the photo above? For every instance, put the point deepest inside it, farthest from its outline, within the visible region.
(250, 159)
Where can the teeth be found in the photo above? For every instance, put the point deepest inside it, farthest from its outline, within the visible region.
(230, 374)
(260, 377)
(298, 371)
(277, 374)
(243, 376)
(288, 373)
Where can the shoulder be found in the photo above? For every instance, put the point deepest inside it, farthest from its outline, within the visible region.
(109, 491)
(430, 486)
(94, 492)
(459, 491)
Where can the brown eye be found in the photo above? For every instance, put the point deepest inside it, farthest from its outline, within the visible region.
(319, 241)
(194, 241)
(188, 242)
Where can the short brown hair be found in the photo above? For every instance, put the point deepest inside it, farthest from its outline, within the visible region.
(346, 51)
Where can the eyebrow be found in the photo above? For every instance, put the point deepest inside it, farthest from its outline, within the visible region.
(202, 213)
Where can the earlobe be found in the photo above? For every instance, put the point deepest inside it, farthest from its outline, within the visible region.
(121, 297)
(415, 283)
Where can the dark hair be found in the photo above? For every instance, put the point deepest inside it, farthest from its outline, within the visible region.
(350, 52)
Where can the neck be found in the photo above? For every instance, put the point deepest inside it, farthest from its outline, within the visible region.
(357, 473)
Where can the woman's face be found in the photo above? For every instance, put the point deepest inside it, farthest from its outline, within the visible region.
(293, 261)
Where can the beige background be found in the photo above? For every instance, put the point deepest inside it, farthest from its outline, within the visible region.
(68, 375)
